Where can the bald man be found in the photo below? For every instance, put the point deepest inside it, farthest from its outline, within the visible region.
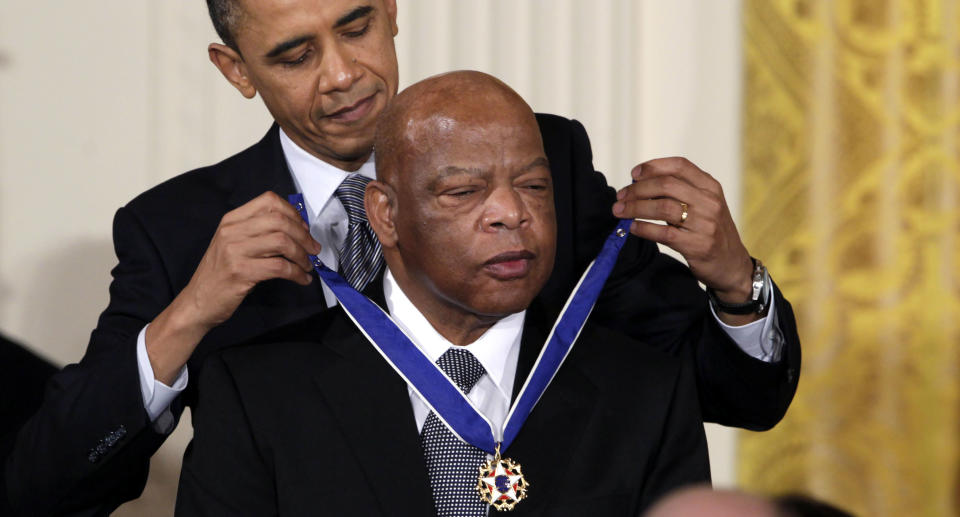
(313, 420)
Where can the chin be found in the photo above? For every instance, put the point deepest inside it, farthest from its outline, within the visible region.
(504, 303)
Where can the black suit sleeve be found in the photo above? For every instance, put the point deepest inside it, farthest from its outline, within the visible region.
(655, 299)
(223, 471)
(90, 442)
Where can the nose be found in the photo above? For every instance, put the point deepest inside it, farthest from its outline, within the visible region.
(339, 69)
(504, 209)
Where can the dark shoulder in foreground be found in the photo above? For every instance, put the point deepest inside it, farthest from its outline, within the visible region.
(285, 346)
(602, 352)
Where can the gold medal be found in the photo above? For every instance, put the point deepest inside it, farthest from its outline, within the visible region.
(501, 484)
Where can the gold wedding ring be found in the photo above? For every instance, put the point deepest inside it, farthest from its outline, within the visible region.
(683, 213)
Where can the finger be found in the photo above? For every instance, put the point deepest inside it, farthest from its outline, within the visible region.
(664, 209)
(278, 267)
(661, 186)
(264, 203)
(685, 242)
(680, 167)
(277, 244)
(270, 222)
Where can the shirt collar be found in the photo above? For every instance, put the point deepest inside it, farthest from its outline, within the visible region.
(492, 349)
(316, 179)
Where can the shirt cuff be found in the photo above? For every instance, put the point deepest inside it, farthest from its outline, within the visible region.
(157, 396)
(759, 339)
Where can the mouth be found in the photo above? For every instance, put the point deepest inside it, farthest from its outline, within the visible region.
(510, 265)
(353, 112)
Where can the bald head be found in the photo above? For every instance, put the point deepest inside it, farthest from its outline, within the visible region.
(441, 108)
(463, 205)
(706, 502)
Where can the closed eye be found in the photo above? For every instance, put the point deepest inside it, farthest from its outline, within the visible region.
(358, 33)
(460, 192)
(535, 185)
(290, 63)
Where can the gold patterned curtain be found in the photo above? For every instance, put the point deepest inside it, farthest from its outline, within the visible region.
(852, 178)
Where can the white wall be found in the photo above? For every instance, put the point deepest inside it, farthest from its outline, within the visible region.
(100, 101)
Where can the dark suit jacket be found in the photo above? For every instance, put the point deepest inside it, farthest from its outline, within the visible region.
(88, 447)
(312, 421)
(22, 376)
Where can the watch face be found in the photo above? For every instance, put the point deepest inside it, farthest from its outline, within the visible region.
(759, 277)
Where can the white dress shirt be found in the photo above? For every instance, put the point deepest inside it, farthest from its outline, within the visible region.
(497, 350)
(317, 180)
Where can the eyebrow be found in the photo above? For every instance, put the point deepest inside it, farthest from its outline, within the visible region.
(540, 161)
(452, 170)
(294, 42)
(359, 12)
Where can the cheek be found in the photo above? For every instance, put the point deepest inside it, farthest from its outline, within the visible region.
(545, 221)
(382, 59)
(447, 242)
(291, 97)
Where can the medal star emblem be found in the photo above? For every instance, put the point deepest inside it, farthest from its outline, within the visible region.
(501, 483)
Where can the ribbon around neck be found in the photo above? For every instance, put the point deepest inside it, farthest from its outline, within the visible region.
(434, 387)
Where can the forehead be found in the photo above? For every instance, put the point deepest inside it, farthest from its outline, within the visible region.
(273, 20)
(445, 146)
(481, 132)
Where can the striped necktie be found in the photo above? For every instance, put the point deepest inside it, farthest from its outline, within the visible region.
(454, 466)
(360, 257)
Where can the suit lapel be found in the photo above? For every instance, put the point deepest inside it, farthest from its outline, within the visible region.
(277, 302)
(266, 170)
(372, 407)
(555, 427)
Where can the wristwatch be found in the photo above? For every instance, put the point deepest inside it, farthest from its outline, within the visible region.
(759, 298)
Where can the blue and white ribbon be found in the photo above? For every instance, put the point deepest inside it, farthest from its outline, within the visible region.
(440, 393)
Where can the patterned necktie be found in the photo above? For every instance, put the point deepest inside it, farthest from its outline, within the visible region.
(360, 258)
(453, 465)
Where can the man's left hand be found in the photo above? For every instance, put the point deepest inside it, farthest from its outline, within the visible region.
(699, 225)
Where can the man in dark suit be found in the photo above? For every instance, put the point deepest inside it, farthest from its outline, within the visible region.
(215, 256)
(319, 424)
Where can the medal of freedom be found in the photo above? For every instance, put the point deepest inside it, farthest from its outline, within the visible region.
(501, 483)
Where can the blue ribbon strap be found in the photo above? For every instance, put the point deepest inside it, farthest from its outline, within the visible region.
(433, 386)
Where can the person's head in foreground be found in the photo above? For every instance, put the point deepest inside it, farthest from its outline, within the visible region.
(703, 501)
(463, 205)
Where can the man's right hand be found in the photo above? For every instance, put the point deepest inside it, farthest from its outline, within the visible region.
(261, 240)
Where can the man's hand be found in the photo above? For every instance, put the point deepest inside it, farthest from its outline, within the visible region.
(664, 189)
(261, 240)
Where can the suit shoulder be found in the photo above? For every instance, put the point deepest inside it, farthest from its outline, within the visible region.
(205, 184)
(551, 120)
(555, 125)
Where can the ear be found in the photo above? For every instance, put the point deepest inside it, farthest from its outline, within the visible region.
(391, 8)
(231, 65)
(379, 200)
